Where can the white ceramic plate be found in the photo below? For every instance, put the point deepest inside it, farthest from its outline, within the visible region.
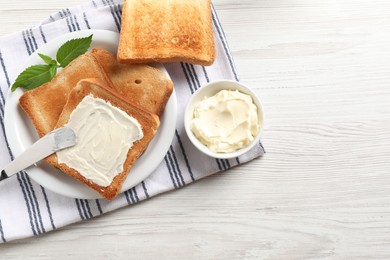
(21, 134)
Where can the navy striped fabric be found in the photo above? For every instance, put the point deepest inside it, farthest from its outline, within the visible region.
(28, 209)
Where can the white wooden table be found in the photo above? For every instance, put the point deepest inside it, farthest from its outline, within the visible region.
(322, 70)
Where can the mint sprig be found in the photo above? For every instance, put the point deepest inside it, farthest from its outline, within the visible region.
(36, 75)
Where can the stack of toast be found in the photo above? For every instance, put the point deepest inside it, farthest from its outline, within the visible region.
(151, 31)
(149, 122)
(140, 90)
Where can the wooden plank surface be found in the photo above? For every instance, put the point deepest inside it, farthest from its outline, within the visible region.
(322, 71)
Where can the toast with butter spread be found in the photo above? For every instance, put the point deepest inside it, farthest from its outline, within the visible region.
(140, 84)
(44, 104)
(166, 31)
(103, 132)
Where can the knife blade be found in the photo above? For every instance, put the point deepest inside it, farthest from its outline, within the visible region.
(52, 142)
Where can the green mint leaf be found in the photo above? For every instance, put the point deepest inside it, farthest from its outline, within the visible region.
(53, 70)
(37, 75)
(48, 60)
(72, 49)
(32, 77)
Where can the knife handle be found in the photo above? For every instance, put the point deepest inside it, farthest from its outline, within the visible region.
(3, 175)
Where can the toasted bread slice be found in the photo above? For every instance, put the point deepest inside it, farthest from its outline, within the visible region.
(141, 84)
(148, 121)
(166, 31)
(44, 104)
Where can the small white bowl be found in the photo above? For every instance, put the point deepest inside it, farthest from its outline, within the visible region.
(210, 90)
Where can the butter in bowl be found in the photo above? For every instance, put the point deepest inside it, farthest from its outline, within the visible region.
(224, 119)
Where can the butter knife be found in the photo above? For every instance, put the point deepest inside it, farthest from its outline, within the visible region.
(52, 142)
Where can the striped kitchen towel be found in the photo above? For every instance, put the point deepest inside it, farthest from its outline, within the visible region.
(28, 209)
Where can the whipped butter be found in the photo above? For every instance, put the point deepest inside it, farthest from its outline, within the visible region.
(105, 134)
(226, 121)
